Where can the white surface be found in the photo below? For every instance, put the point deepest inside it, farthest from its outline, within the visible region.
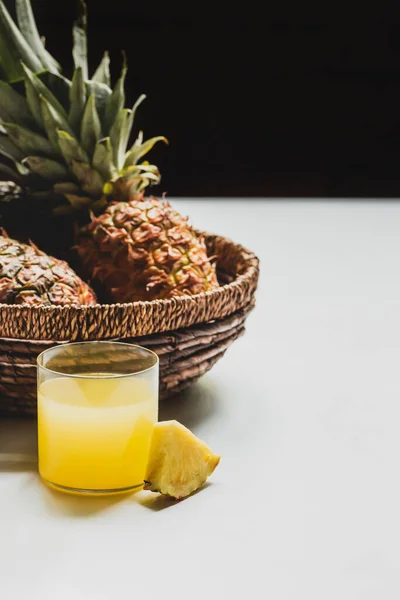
(305, 410)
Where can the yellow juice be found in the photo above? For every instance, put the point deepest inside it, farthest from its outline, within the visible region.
(94, 431)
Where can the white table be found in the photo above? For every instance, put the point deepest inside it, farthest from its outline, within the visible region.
(305, 410)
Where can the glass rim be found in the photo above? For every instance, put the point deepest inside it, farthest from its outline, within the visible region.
(95, 342)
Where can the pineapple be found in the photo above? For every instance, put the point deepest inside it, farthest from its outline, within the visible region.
(28, 276)
(179, 462)
(143, 250)
(67, 142)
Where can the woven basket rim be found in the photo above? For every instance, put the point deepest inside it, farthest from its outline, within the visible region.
(209, 305)
(138, 303)
(147, 303)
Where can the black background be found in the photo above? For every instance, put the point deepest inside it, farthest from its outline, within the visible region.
(287, 99)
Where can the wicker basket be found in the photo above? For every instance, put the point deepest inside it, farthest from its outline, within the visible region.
(189, 333)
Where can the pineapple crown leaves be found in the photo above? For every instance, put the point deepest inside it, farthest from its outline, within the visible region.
(69, 136)
(79, 35)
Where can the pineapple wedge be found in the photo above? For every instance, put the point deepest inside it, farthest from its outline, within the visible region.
(179, 462)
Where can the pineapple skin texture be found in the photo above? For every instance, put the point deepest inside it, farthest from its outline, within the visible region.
(143, 249)
(29, 276)
(179, 461)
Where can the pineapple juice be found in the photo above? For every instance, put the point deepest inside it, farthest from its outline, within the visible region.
(94, 431)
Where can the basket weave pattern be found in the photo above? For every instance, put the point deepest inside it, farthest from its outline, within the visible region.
(189, 333)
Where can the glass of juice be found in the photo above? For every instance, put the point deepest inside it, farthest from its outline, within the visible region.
(97, 405)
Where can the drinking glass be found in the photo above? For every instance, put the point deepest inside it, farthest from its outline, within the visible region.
(97, 405)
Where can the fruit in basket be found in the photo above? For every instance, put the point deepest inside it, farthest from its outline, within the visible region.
(68, 143)
(179, 462)
(143, 250)
(29, 276)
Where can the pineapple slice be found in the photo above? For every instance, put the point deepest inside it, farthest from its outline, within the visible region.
(179, 461)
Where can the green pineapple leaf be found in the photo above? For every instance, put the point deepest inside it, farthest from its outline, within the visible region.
(9, 148)
(149, 172)
(155, 177)
(102, 94)
(35, 88)
(77, 202)
(9, 174)
(90, 180)
(22, 169)
(139, 150)
(144, 183)
(27, 26)
(70, 148)
(66, 187)
(33, 100)
(46, 168)
(99, 205)
(28, 141)
(77, 97)
(116, 101)
(6, 158)
(58, 85)
(10, 66)
(138, 102)
(79, 50)
(53, 121)
(102, 73)
(119, 136)
(90, 127)
(14, 105)
(103, 160)
(15, 48)
(132, 115)
(140, 176)
(144, 167)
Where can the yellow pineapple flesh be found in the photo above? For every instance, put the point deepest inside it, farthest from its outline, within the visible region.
(179, 461)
